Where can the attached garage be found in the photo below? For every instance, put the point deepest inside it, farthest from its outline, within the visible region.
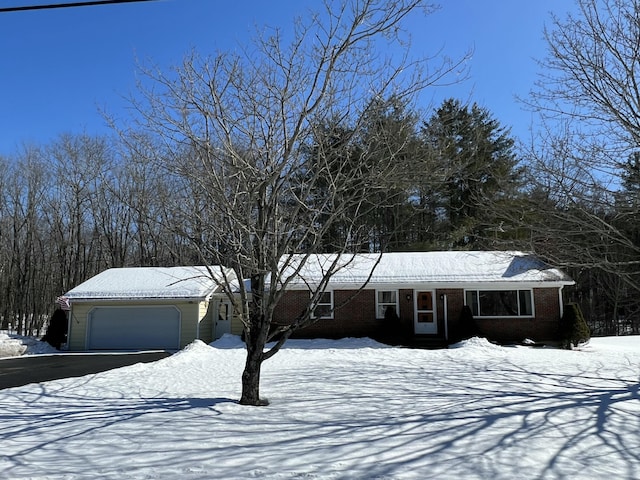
(146, 308)
(132, 328)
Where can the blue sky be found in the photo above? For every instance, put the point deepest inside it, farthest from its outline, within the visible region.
(59, 67)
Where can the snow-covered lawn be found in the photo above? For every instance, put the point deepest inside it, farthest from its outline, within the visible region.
(339, 409)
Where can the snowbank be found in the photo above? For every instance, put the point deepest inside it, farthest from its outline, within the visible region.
(228, 341)
(15, 345)
(477, 343)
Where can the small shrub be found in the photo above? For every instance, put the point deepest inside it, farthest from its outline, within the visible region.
(468, 326)
(57, 331)
(573, 328)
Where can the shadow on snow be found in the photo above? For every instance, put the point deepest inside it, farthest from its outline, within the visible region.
(430, 418)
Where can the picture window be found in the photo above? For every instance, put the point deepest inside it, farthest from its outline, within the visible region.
(500, 303)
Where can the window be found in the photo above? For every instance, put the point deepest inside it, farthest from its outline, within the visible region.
(386, 299)
(324, 306)
(500, 303)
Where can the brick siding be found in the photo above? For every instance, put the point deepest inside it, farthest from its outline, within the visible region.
(355, 316)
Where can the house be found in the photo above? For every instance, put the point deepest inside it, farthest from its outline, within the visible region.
(148, 308)
(409, 295)
(395, 297)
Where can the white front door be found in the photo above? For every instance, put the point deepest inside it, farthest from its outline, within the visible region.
(223, 320)
(425, 321)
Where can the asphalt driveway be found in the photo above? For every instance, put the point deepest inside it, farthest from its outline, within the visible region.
(18, 371)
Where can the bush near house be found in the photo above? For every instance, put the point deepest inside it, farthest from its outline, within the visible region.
(57, 330)
(573, 328)
(468, 326)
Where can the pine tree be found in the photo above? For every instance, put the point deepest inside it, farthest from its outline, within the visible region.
(476, 167)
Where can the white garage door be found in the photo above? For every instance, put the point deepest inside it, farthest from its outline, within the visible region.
(134, 328)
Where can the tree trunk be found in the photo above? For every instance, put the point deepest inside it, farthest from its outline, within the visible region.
(251, 380)
(255, 339)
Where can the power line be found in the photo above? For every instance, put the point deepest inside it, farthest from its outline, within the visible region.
(68, 4)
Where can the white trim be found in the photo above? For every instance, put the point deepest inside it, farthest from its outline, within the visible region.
(397, 302)
(331, 304)
(445, 313)
(142, 299)
(433, 311)
(489, 285)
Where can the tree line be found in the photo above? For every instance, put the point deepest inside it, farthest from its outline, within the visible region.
(82, 204)
(69, 210)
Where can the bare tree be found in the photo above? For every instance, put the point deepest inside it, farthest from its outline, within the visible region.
(238, 127)
(578, 212)
(79, 166)
(593, 69)
(587, 94)
(25, 189)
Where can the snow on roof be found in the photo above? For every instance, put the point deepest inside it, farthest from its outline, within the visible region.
(428, 267)
(148, 282)
(464, 267)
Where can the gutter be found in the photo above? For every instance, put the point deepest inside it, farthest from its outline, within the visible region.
(136, 299)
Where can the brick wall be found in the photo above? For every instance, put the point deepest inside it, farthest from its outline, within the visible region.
(357, 317)
(455, 302)
(354, 316)
(290, 306)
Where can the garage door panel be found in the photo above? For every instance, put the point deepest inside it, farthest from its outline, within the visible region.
(134, 328)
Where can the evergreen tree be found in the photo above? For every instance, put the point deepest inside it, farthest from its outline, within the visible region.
(630, 174)
(391, 135)
(387, 142)
(574, 329)
(475, 168)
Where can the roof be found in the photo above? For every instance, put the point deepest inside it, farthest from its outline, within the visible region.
(148, 283)
(454, 268)
(459, 267)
